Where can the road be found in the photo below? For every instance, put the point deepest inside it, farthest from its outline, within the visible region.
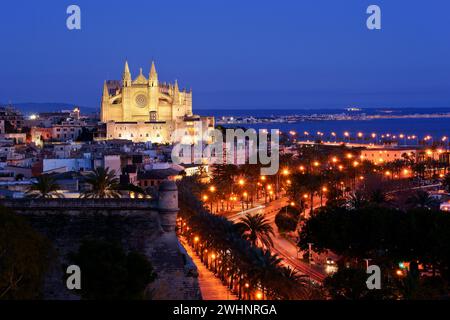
(284, 248)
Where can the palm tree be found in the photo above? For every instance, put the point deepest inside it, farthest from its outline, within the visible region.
(419, 170)
(380, 197)
(298, 287)
(256, 229)
(357, 200)
(223, 176)
(305, 184)
(104, 184)
(422, 199)
(44, 187)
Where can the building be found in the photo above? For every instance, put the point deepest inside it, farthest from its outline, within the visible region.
(12, 119)
(40, 134)
(67, 130)
(388, 154)
(154, 177)
(145, 110)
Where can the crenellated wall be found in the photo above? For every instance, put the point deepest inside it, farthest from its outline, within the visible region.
(141, 225)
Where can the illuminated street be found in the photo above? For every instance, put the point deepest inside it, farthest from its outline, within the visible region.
(285, 248)
(210, 286)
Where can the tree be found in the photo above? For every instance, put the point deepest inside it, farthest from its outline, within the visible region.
(257, 229)
(347, 284)
(357, 200)
(305, 184)
(287, 220)
(109, 273)
(44, 187)
(241, 261)
(422, 199)
(104, 184)
(379, 197)
(24, 258)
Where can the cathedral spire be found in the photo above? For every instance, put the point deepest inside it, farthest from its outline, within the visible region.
(153, 76)
(105, 90)
(176, 92)
(126, 77)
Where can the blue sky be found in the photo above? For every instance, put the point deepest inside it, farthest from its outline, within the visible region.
(234, 53)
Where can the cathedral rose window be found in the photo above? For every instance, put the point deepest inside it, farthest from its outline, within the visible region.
(141, 100)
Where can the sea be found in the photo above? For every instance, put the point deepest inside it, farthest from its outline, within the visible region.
(422, 125)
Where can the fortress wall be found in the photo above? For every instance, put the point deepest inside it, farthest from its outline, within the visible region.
(135, 224)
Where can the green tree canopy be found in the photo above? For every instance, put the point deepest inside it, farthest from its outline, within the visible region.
(287, 219)
(376, 232)
(104, 184)
(109, 273)
(24, 258)
(44, 187)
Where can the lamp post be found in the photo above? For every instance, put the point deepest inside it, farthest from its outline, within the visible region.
(310, 252)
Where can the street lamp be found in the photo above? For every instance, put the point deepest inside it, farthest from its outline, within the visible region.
(310, 252)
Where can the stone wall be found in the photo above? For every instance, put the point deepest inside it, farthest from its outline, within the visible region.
(135, 224)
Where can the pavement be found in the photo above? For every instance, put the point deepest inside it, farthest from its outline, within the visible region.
(210, 286)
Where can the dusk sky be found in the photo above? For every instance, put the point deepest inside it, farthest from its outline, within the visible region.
(233, 54)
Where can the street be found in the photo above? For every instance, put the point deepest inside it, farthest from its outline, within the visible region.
(284, 248)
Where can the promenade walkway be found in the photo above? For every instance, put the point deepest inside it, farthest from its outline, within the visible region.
(210, 286)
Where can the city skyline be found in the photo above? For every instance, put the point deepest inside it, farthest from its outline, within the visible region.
(290, 55)
(201, 152)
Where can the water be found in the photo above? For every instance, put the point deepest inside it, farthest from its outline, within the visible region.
(436, 127)
(421, 127)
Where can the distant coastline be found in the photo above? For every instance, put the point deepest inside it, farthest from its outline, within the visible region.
(344, 116)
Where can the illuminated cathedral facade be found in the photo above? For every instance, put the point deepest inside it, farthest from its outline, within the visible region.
(145, 110)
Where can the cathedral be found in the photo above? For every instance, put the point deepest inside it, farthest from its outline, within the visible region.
(145, 110)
